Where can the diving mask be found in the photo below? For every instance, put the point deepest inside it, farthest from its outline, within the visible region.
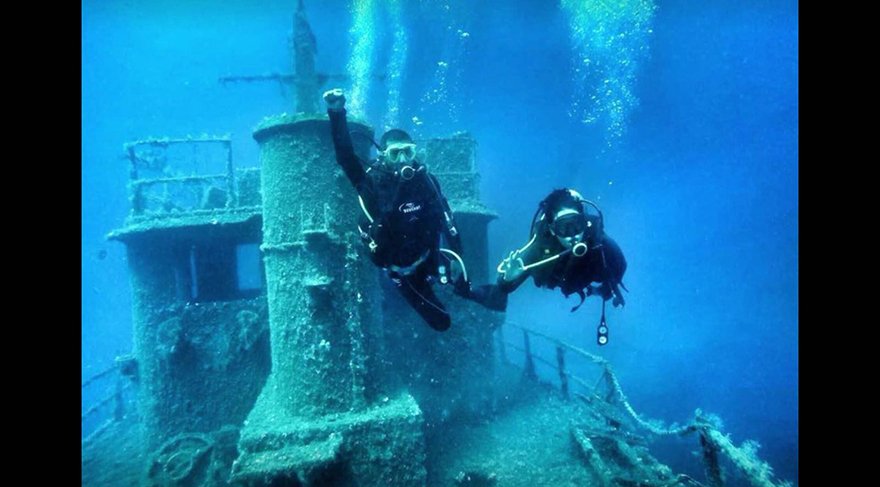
(401, 153)
(569, 225)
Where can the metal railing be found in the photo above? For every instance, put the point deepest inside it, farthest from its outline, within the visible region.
(149, 154)
(712, 441)
(123, 373)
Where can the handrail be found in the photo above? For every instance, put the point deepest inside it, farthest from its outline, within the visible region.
(712, 441)
(99, 375)
(104, 401)
(124, 371)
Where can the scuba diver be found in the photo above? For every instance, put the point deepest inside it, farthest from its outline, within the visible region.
(568, 249)
(404, 215)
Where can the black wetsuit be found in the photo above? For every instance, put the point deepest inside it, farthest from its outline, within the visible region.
(407, 223)
(604, 263)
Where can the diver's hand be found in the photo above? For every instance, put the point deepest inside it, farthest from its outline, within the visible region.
(512, 267)
(335, 99)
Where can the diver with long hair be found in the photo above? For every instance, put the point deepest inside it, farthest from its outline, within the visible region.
(569, 249)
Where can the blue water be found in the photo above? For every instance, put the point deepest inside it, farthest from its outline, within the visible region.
(700, 189)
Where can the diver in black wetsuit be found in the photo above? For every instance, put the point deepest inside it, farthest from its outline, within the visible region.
(404, 215)
(569, 249)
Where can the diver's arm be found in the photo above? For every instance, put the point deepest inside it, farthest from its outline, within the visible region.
(345, 155)
(449, 228)
(615, 268)
(615, 261)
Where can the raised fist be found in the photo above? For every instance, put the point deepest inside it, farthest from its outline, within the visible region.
(335, 99)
